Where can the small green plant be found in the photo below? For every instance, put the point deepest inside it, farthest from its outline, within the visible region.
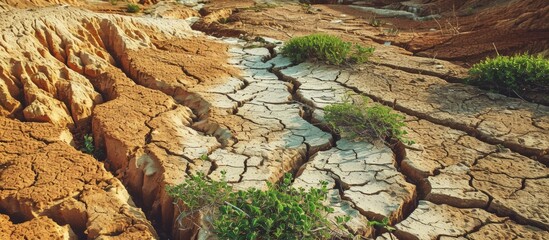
(280, 212)
(89, 148)
(204, 157)
(512, 75)
(113, 2)
(361, 54)
(325, 47)
(133, 8)
(88, 144)
(361, 120)
(198, 192)
(383, 224)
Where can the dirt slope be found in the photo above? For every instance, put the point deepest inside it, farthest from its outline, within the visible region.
(48, 67)
(466, 31)
(512, 26)
(62, 67)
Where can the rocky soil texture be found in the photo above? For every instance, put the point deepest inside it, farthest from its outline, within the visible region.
(163, 101)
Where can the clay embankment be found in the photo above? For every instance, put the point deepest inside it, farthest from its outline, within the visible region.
(57, 67)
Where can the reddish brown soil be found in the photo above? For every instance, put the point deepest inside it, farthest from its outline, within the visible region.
(467, 32)
(494, 26)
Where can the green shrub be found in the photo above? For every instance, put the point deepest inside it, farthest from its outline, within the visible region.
(280, 212)
(88, 144)
(362, 121)
(197, 192)
(325, 48)
(133, 8)
(511, 75)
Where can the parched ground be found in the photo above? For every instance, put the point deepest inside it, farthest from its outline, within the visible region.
(158, 97)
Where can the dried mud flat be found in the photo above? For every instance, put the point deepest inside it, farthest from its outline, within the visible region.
(157, 96)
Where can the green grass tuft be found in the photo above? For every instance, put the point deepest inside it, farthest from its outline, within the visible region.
(511, 75)
(280, 212)
(133, 8)
(361, 120)
(325, 47)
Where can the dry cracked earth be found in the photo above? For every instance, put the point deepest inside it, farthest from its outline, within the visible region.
(157, 96)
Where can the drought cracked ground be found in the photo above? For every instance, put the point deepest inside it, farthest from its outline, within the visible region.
(158, 97)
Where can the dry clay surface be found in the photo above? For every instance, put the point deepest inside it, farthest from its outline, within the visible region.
(50, 190)
(48, 64)
(452, 168)
(159, 97)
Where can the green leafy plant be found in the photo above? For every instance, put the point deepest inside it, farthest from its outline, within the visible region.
(326, 48)
(133, 8)
(512, 75)
(198, 192)
(204, 157)
(89, 148)
(383, 224)
(88, 144)
(113, 2)
(280, 212)
(361, 120)
(361, 54)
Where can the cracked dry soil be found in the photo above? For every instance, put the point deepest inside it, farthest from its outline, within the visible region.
(157, 96)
